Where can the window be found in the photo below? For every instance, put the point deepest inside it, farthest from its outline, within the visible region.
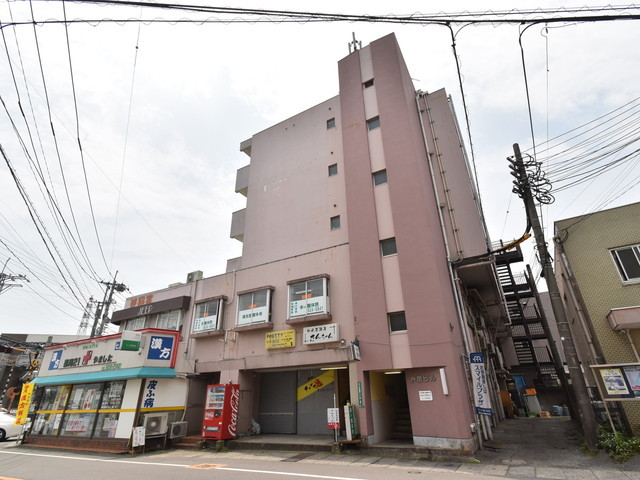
(397, 322)
(207, 316)
(373, 123)
(309, 297)
(379, 177)
(331, 123)
(627, 259)
(335, 222)
(254, 307)
(368, 83)
(80, 423)
(135, 323)
(388, 247)
(169, 320)
(333, 169)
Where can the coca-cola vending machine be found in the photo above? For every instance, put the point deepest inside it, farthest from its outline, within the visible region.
(221, 412)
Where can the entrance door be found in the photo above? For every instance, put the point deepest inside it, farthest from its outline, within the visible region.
(277, 410)
(314, 400)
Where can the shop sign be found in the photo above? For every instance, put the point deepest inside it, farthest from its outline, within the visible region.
(321, 334)
(351, 425)
(479, 384)
(205, 324)
(160, 348)
(56, 356)
(360, 404)
(150, 396)
(253, 315)
(130, 341)
(618, 382)
(281, 339)
(333, 418)
(308, 306)
(24, 403)
(312, 386)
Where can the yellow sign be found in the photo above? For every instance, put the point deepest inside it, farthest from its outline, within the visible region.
(23, 405)
(281, 339)
(316, 384)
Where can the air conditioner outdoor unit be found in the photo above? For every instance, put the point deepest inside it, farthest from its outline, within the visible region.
(178, 429)
(155, 424)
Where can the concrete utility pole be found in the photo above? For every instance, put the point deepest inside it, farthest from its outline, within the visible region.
(102, 308)
(523, 188)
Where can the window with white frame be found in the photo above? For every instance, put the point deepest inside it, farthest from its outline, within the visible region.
(135, 323)
(627, 259)
(169, 320)
(388, 247)
(309, 297)
(254, 307)
(207, 316)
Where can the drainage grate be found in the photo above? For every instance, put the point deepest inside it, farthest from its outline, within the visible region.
(298, 457)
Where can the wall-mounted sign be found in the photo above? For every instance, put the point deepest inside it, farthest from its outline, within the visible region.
(281, 339)
(479, 384)
(160, 348)
(315, 384)
(308, 306)
(618, 382)
(130, 341)
(321, 334)
(425, 395)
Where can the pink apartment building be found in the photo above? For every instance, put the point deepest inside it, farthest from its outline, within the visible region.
(364, 278)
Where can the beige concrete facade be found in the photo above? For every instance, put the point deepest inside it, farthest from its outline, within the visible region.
(592, 287)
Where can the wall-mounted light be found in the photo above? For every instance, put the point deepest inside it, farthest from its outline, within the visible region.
(393, 372)
(443, 378)
(334, 368)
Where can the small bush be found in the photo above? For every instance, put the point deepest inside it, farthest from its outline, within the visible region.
(619, 446)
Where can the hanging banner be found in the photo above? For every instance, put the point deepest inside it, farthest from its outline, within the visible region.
(24, 403)
(479, 384)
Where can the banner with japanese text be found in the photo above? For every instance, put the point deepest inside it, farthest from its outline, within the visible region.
(23, 405)
(479, 384)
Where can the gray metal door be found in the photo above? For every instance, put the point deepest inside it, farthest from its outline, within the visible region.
(277, 410)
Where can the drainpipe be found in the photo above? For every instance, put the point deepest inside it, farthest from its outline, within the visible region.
(452, 276)
(633, 347)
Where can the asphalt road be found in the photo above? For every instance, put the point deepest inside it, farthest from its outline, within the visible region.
(23, 463)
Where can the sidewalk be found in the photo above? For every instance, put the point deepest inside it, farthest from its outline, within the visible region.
(522, 448)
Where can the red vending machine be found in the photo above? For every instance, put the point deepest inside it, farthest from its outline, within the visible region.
(221, 412)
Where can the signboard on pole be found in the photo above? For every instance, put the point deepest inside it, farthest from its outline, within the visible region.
(333, 418)
(479, 384)
(138, 436)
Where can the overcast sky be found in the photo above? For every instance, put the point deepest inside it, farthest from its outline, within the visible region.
(162, 109)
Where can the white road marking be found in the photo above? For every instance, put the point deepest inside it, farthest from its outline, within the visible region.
(231, 469)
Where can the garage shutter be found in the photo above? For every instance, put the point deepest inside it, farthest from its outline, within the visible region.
(277, 411)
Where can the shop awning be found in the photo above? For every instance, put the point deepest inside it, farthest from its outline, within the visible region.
(124, 374)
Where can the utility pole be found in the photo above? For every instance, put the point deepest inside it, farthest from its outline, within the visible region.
(102, 308)
(5, 277)
(524, 183)
(86, 316)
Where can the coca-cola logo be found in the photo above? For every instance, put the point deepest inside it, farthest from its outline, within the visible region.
(234, 402)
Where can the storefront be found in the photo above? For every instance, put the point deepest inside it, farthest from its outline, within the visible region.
(97, 390)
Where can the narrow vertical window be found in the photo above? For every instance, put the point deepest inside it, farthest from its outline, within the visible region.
(331, 123)
(333, 169)
(335, 222)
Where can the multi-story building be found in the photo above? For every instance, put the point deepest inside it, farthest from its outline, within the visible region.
(598, 270)
(365, 276)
